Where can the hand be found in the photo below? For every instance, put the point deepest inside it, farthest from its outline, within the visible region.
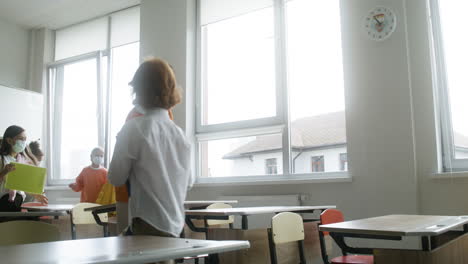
(41, 198)
(9, 168)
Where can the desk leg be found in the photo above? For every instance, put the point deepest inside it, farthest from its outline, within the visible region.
(72, 226)
(245, 222)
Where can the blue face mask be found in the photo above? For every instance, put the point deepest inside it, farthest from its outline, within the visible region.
(19, 146)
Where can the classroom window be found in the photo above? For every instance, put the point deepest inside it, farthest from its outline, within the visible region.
(264, 75)
(317, 163)
(343, 161)
(90, 97)
(270, 166)
(449, 47)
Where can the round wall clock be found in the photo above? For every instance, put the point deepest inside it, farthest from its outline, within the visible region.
(380, 23)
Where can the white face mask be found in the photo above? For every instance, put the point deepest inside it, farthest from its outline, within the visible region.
(97, 160)
(19, 146)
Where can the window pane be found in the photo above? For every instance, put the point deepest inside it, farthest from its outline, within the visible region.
(238, 68)
(245, 156)
(315, 83)
(78, 124)
(124, 64)
(456, 55)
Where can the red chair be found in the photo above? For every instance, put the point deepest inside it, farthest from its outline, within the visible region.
(331, 216)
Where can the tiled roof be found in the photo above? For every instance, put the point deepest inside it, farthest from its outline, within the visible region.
(308, 132)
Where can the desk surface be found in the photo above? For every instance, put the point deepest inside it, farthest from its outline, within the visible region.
(188, 204)
(399, 225)
(32, 214)
(128, 249)
(50, 207)
(257, 210)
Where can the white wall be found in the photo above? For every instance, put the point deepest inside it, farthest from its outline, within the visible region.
(14, 52)
(379, 126)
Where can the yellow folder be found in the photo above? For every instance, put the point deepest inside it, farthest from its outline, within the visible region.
(26, 178)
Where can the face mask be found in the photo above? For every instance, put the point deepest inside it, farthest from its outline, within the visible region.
(19, 146)
(97, 160)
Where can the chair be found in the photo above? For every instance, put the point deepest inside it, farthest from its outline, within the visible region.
(331, 216)
(81, 217)
(25, 232)
(228, 221)
(211, 223)
(37, 204)
(285, 228)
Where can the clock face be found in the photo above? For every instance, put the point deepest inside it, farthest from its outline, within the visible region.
(379, 23)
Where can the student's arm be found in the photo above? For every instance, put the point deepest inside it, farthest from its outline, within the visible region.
(124, 154)
(7, 169)
(77, 186)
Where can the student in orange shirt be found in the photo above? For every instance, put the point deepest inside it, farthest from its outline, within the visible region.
(91, 178)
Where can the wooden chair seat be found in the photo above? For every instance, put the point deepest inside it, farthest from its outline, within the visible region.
(353, 259)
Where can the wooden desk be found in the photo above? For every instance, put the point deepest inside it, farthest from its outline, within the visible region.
(123, 249)
(224, 213)
(435, 231)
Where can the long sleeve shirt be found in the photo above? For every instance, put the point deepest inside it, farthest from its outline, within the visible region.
(89, 183)
(153, 152)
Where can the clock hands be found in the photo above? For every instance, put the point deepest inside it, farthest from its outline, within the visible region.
(378, 22)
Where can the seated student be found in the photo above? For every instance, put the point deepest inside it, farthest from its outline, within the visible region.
(153, 153)
(91, 178)
(34, 153)
(12, 150)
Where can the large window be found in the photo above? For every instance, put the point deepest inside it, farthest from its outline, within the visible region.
(270, 88)
(89, 92)
(450, 57)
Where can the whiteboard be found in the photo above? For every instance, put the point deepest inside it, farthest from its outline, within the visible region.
(23, 108)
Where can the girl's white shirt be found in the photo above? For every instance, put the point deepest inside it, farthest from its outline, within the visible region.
(154, 154)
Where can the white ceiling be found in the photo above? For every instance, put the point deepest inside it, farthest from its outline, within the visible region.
(57, 13)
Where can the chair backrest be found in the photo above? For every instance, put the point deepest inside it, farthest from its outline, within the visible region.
(79, 216)
(331, 216)
(25, 232)
(220, 222)
(287, 227)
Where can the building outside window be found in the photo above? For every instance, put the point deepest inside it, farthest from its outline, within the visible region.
(318, 164)
(253, 57)
(343, 161)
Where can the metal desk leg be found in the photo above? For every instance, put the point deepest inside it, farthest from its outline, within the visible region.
(73, 228)
(245, 222)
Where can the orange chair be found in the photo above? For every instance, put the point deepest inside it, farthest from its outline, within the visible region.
(331, 216)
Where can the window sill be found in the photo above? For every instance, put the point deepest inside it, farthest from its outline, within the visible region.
(335, 177)
(56, 188)
(450, 175)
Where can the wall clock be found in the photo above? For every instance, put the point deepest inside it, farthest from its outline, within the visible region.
(380, 23)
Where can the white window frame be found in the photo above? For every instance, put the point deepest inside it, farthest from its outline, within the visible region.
(449, 161)
(262, 126)
(53, 69)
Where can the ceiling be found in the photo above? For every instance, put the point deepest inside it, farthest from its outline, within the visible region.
(55, 14)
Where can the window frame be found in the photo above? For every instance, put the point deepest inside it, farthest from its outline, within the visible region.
(271, 125)
(271, 164)
(442, 102)
(104, 104)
